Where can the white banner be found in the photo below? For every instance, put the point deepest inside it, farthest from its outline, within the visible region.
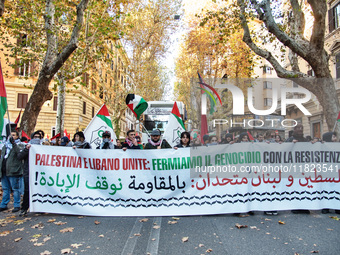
(150, 183)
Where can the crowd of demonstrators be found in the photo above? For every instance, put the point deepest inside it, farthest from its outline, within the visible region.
(14, 160)
(156, 142)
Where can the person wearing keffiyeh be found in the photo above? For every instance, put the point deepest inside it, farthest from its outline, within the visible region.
(11, 171)
(156, 142)
(130, 141)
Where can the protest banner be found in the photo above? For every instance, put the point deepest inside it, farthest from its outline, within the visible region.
(147, 183)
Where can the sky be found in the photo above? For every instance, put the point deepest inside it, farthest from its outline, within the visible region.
(189, 9)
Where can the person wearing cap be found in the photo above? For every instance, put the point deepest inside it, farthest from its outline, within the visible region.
(156, 142)
(106, 143)
(130, 141)
(65, 142)
(79, 141)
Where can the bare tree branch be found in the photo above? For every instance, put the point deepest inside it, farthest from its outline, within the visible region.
(72, 44)
(281, 72)
(317, 39)
(265, 14)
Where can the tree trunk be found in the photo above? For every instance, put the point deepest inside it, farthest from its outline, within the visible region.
(40, 95)
(2, 7)
(61, 104)
(328, 98)
(52, 63)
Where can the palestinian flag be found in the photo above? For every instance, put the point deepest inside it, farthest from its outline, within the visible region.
(175, 127)
(137, 104)
(98, 125)
(3, 100)
(251, 138)
(338, 119)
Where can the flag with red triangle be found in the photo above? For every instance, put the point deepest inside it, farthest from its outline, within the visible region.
(137, 104)
(23, 134)
(251, 138)
(3, 99)
(100, 123)
(175, 127)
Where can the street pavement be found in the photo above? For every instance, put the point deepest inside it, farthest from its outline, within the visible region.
(287, 233)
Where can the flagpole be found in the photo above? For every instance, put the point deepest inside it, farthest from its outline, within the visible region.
(9, 123)
(335, 125)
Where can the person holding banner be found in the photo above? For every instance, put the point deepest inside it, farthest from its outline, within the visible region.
(80, 142)
(329, 137)
(106, 143)
(185, 141)
(130, 141)
(11, 171)
(156, 142)
(24, 155)
(297, 136)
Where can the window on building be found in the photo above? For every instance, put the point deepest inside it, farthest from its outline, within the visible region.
(22, 41)
(22, 100)
(92, 112)
(55, 103)
(111, 65)
(101, 92)
(267, 70)
(268, 102)
(94, 85)
(84, 108)
(310, 72)
(24, 68)
(337, 65)
(53, 131)
(267, 85)
(86, 79)
(334, 17)
(106, 78)
(110, 83)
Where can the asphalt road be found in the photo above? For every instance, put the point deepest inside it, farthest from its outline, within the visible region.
(215, 234)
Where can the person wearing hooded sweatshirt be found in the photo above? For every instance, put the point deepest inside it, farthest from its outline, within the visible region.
(329, 137)
(24, 155)
(106, 143)
(11, 171)
(79, 141)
